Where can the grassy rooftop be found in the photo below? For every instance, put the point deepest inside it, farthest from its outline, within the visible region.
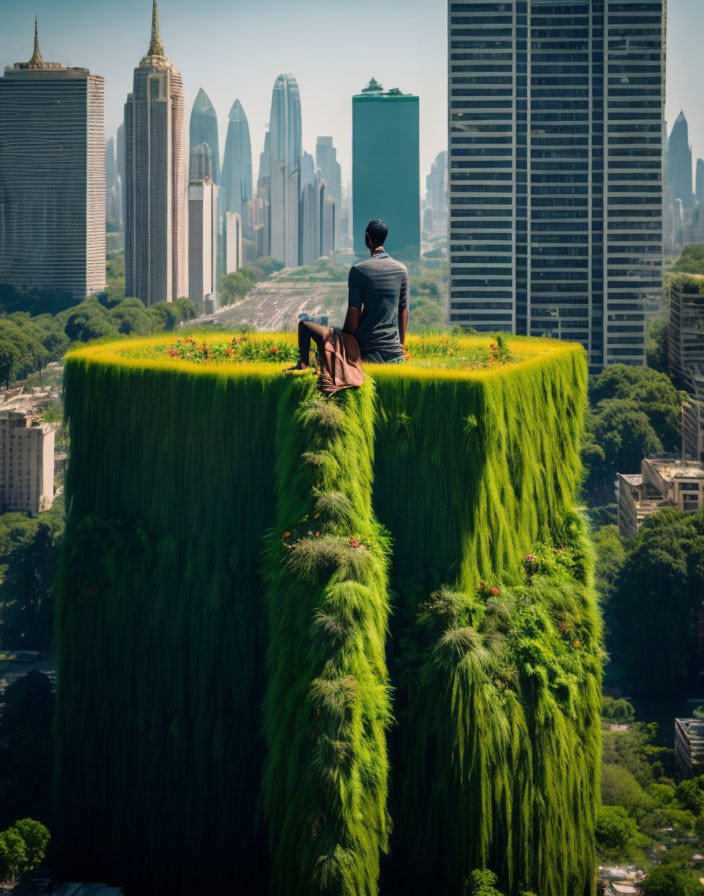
(228, 353)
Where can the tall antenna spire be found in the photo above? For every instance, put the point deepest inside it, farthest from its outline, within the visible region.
(37, 56)
(155, 47)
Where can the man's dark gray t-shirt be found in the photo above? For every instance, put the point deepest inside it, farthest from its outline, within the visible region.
(378, 287)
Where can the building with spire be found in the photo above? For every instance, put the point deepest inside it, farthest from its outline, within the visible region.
(237, 164)
(156, 258)
(204, 129)
(52, 180)
(679, 162)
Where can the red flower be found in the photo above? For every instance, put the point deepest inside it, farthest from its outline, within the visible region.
(494, 347)
(287, 534)
(495, 591)
(317, 534)
(173, 352)
(274, 349)
(576, 643)
(354, 543)
(228, 351)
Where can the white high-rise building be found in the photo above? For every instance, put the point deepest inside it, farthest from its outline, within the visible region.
(52, 179)
(555, 169)
(233, 242)
(203, 243)
(156, 254)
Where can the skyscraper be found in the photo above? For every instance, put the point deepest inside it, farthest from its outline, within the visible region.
(699, 183)
(121, 171)
(237, 166)
(555, 169)
(679, 162)
(331, 172)
(203, 243)
(204, 129)
(386, 167)
(284, 154)
(155, 186)
(436, 192)
(52, 179)
(110, 178)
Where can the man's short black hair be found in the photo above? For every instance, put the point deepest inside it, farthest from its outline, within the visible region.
(378, 231)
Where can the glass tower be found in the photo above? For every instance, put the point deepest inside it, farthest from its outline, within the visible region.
(386, 167)
(555, 181)
(237, 166)
(204, 129)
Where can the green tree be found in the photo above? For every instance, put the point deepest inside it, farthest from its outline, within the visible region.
(130, 318)
(610, 557)
(186, 309)
(13, 855)
(691, 794)
(165, 315)
(268, 265)
(481, 883)
(26, 597)
(670, 880)
(614, 830)
(25, 749)
(89, 320)
(691, 261)
(656, 350)
(658, 597)
(36, 839)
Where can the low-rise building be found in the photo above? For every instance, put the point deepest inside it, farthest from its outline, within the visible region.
(689, 746)
(26, 463)
(661, 483)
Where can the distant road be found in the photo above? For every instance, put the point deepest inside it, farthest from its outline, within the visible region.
(276, 303)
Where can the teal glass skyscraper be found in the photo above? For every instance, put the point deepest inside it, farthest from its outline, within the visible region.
(237, 165)
(386, 167)
(204, 129)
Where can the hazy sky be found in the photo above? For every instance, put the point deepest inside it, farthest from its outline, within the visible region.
(236, 49)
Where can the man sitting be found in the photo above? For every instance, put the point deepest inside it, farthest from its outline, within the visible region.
(377, 314)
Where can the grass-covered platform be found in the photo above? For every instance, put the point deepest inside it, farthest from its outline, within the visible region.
(315, 646)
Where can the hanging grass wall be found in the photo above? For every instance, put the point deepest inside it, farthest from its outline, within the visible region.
(313, 646)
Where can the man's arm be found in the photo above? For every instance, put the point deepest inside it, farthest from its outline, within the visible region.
(403, 310)
(354, 302)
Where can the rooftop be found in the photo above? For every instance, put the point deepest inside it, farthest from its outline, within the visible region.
(671, 470)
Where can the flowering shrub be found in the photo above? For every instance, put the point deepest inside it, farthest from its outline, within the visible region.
(237, 350)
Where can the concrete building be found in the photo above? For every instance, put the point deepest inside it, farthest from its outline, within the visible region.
(52, 179)
(679, 162)
(689, 747)
(234, 242)
(203, 244)
(685, 332)
(204, 129)
(328, 221)
(331, 173)
(120, 147)
(156, 255)
(26, 464)
(386, 167)
(699, 181)
(555, 170)
(237, 166)
(660, 483)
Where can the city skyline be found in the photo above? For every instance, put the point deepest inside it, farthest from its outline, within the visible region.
(72, 34)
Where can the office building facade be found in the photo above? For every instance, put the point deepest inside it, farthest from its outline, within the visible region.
(52, 179)
(386, 167)
(555, 169)
(156, 258)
